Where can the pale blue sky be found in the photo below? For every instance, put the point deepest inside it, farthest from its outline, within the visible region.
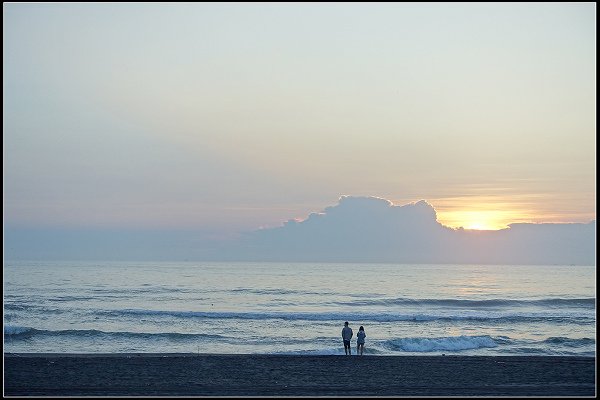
(227, 117)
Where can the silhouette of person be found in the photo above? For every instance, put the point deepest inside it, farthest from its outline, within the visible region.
(360, 340)
(346, 336)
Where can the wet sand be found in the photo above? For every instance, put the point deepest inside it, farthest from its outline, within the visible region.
(213, 375)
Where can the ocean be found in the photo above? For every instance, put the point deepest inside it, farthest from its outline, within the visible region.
(298, 308)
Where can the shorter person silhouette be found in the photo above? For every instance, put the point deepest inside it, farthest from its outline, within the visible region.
(360, 340)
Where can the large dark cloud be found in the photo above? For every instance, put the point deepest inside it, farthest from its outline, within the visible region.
(370, 229)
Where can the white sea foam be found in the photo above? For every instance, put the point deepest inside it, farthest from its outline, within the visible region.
(451, 343)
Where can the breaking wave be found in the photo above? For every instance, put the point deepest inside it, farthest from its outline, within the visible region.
(451, 343)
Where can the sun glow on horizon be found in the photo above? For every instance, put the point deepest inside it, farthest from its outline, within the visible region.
(487, 212)
(494, 212)
(479, 219)
(479, 226)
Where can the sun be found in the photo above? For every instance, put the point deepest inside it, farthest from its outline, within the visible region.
(481, 226)
(484, 213)
(483, 220)
(476, 225)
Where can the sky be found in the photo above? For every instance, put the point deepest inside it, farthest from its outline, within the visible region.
(228, 117)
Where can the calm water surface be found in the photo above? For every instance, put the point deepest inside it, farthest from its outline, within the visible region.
(109, 307)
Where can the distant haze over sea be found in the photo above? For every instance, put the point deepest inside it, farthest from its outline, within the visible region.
(357, 229)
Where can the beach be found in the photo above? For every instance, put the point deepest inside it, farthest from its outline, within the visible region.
(210, 375)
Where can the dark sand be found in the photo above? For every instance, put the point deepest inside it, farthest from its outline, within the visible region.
(277, 375)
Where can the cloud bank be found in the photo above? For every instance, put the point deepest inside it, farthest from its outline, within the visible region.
(371, 229)
(357, 229)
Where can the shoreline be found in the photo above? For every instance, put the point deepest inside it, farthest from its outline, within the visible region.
(210, 375)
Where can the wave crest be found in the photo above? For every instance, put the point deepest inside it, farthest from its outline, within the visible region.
(17, 332)
(449, 343)
(582, 318)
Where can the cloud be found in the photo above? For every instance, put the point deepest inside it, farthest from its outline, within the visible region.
(372, 229)
(356, 229)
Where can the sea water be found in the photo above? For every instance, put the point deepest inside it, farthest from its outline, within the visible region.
(298, 308)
